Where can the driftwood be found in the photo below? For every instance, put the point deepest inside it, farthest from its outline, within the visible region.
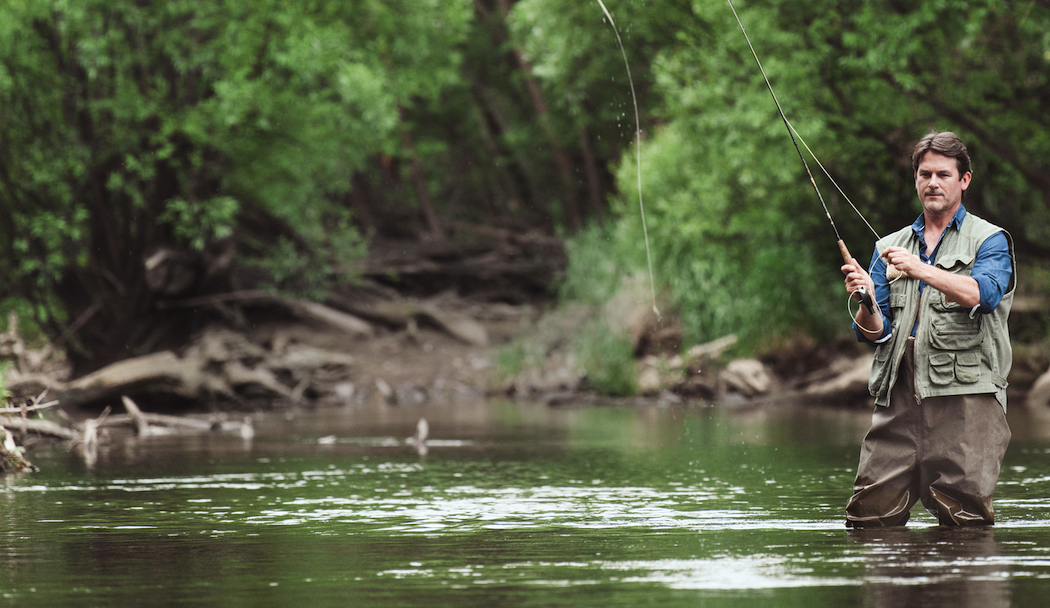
(141, 424)
(304, 309)
(219, 364)
(147, 424)
(12, 457)
(348, 314)
(43, 427)
(35, 405)
(403, 313)
(144, 422)
(17, 418)
(91, 434)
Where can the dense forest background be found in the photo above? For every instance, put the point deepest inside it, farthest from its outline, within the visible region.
(287, 136)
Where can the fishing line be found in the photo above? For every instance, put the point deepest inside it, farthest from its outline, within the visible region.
(892, 273)
(853, 315)
(638, 159)
(865, 297)
(832, 179)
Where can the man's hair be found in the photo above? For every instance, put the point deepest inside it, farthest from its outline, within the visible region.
(945, 143)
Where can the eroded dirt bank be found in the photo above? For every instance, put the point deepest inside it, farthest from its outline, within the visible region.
(429, 324)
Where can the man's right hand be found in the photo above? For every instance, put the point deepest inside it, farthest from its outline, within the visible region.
(857, 278)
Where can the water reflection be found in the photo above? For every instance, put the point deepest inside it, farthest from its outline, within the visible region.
(960, 567)
(516, 505)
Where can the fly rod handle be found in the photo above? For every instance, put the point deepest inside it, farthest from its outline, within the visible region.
(846, 257)
(865, 297)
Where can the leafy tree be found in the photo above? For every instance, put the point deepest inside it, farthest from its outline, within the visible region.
(128, 124)
(279, 127)
(738, 234)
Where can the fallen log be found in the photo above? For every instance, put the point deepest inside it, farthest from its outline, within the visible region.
(141, 424)
(163, 372)
(304, 309)
(43, 427)
(329, 316)
(850, 378)
(403, 313)
(218, 364)
(25, 409)
(189, 424)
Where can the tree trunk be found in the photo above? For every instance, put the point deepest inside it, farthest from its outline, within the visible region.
(594, 186)
(528, 172)
(418, 180)
(570, 204)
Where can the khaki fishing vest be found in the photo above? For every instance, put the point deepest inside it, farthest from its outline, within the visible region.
(954, 354)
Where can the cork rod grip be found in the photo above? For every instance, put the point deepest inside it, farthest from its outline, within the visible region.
(846, 257)
(865, 297)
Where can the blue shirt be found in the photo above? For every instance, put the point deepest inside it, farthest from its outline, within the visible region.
(992, 270)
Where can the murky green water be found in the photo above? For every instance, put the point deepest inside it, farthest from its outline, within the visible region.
(513, 505)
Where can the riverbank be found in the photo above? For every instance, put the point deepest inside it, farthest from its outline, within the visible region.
(443, 323)
(446, 349)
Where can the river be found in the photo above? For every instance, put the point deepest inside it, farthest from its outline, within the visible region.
(510, 505)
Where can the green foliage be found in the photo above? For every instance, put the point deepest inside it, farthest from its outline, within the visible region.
(596, 271)
(201, 222)
(127, 125)
(26, 313)
(573, 51)
(292, 271)
(5, 394)
(607, 359)
(517, 357)
(130, 124)
(738, 235)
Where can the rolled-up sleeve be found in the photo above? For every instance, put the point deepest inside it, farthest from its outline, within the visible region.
(993, 270)
(877, 270)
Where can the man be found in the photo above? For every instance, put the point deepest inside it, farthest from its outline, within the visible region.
(939, 431)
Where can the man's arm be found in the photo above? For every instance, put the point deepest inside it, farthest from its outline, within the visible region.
(871, 328)
(957, 288)
(993, 270)
(983, 289)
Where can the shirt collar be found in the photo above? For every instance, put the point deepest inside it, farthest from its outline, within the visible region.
(919, 226)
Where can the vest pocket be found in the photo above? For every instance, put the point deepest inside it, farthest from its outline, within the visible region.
(946, 368)
(942, 368)
(968, 367)
(956, 336)
(879, 379)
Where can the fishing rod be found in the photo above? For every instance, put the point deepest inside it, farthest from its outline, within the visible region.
(865, 297)
(638, 159)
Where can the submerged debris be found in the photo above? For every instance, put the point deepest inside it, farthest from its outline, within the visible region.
(12, 456)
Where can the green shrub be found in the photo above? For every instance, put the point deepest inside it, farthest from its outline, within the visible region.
(608, 360)
(5, 394)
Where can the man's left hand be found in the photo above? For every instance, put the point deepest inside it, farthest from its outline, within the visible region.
(906, 262)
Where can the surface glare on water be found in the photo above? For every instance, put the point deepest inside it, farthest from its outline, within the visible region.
(511, 505)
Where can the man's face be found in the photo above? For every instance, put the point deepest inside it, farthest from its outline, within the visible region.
(938, 185)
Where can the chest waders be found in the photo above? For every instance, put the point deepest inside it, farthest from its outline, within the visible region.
(938, 431)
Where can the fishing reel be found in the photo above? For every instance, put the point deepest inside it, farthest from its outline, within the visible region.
(864, 298)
